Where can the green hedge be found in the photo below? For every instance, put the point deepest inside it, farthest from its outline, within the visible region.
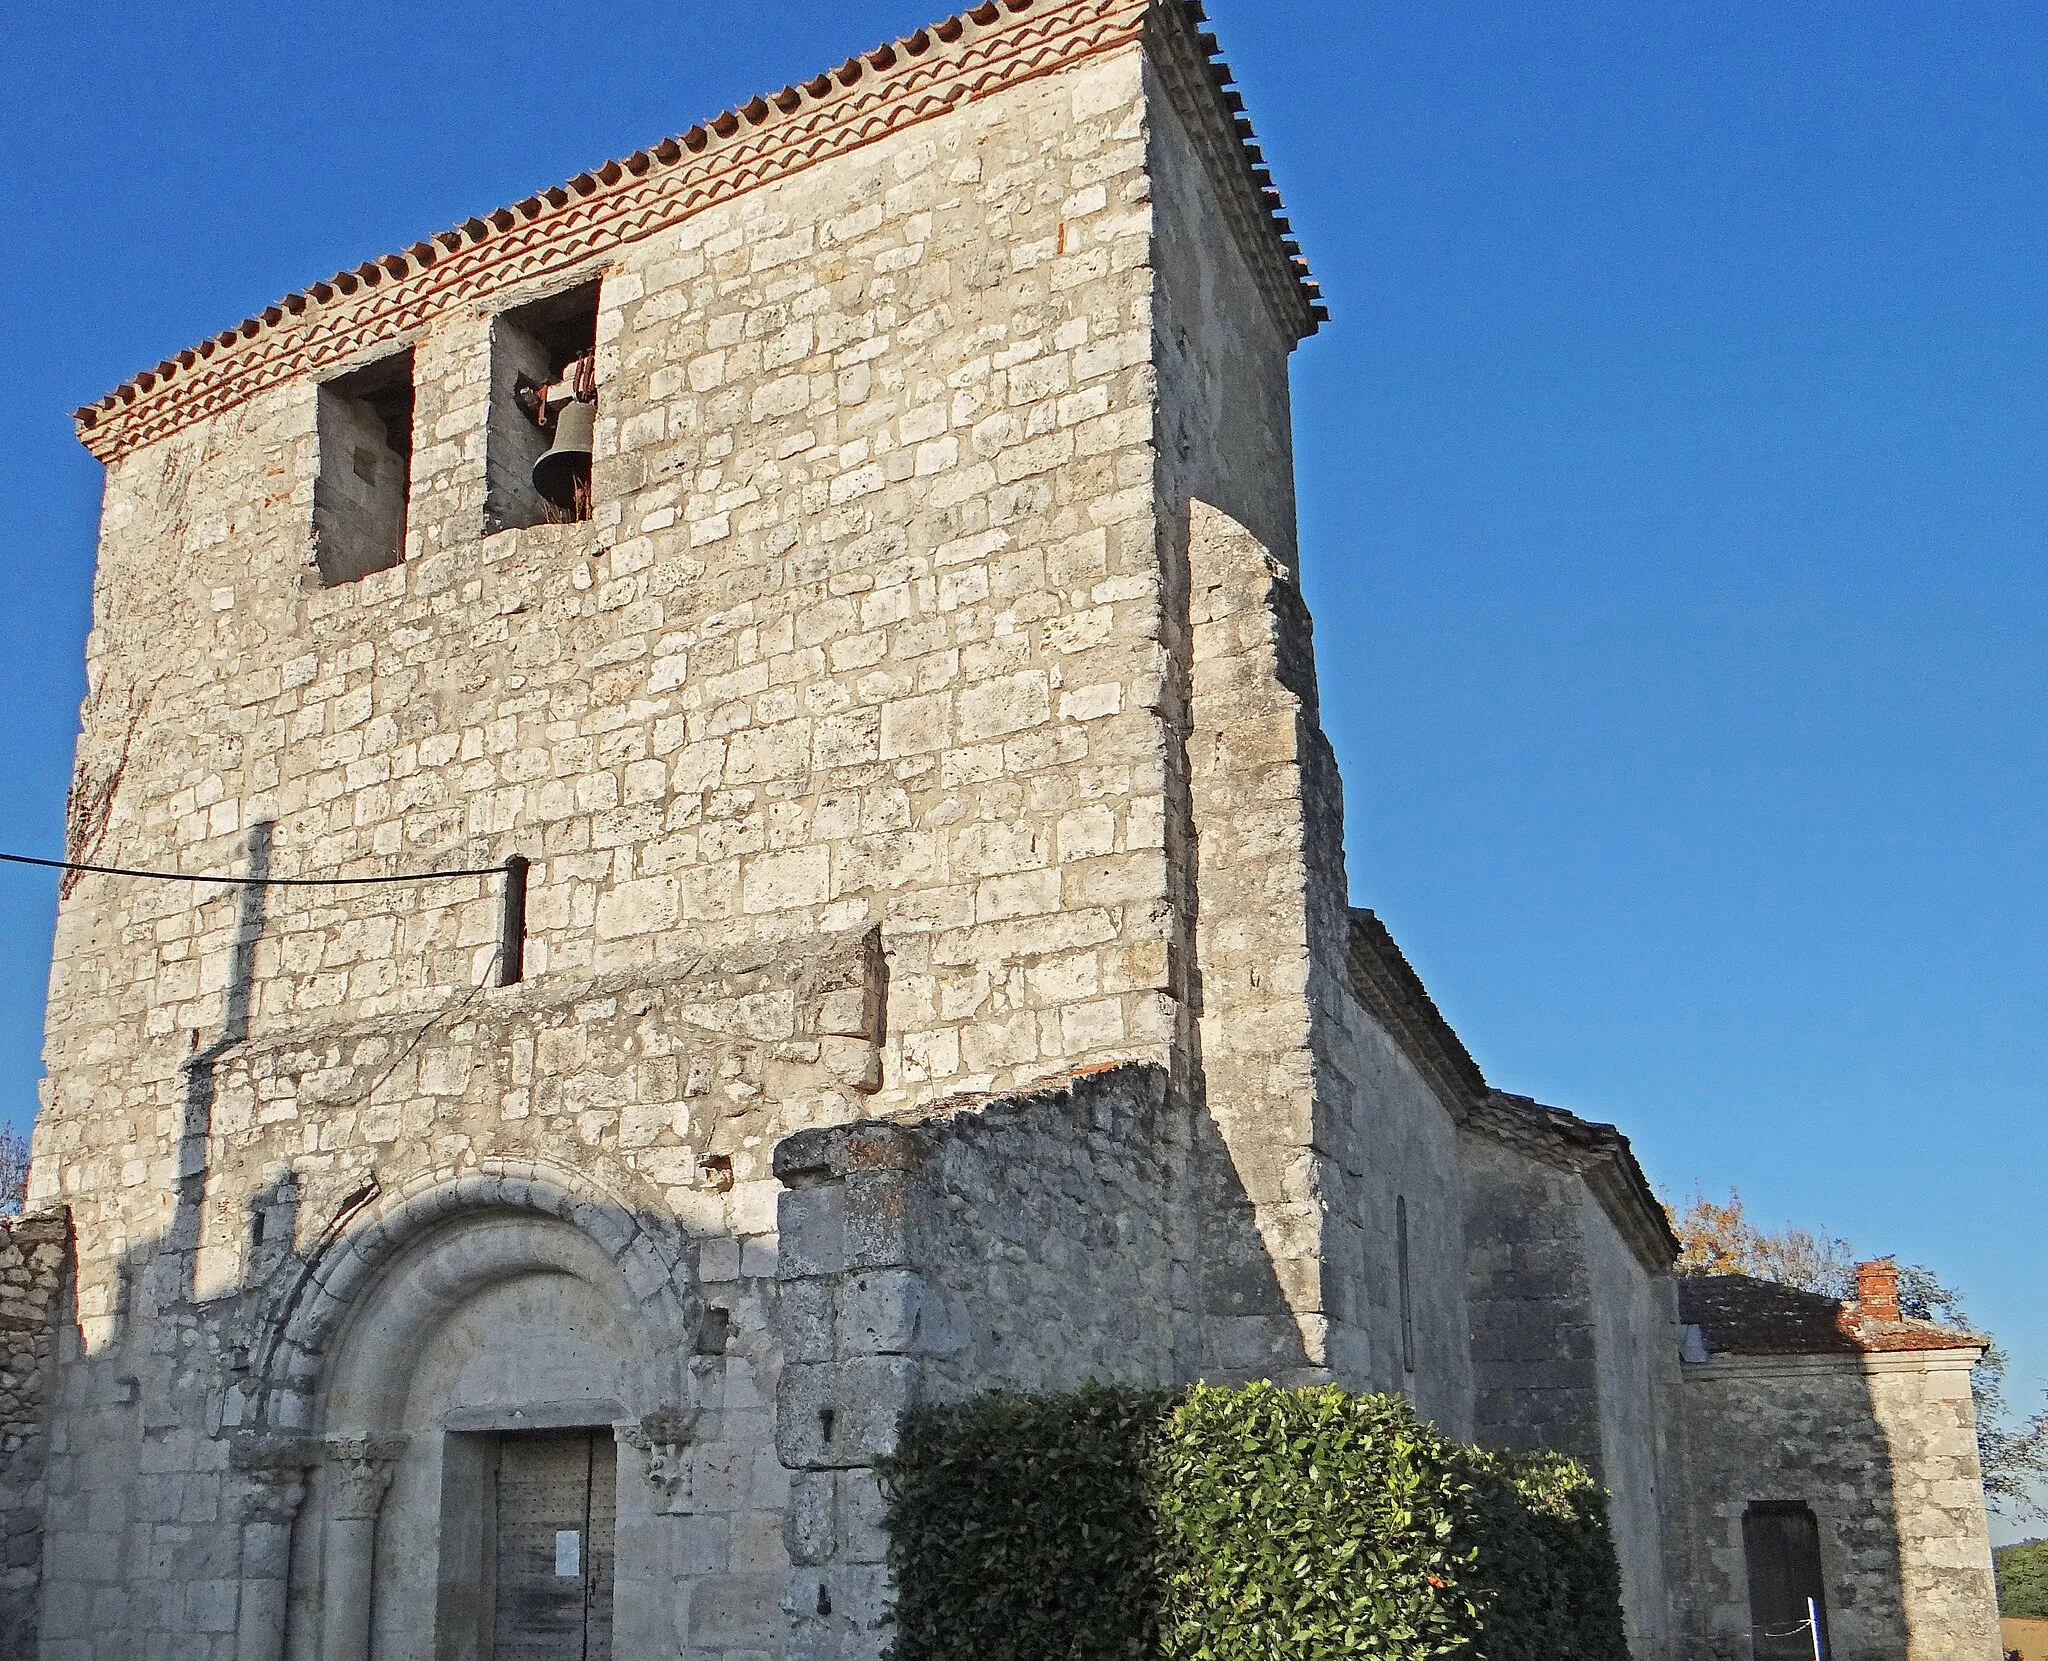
(1257, 1524)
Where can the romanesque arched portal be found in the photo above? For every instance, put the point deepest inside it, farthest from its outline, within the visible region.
(480, 1391)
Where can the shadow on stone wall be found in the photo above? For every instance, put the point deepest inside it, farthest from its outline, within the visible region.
(1097, 1227)
(1059, 1235)
(195, 1486)
(1785, 1430)
(1086, 1230)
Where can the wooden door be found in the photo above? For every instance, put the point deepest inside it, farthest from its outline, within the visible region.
(1788, 1607)
(556, 1523)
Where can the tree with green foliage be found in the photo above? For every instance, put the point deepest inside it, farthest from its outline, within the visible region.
(1717, 1238)
(2023, 1580)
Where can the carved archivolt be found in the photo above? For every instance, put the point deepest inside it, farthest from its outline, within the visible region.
(654, 1276)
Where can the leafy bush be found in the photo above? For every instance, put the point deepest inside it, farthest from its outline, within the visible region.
(1255, 1524)
(1021, 1528)
(1551, 1584)
(1308, 1523)
(2023, 1580)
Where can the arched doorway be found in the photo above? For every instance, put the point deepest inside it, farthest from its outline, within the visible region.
(483, 1365)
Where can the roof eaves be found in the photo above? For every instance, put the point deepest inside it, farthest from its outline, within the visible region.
(971, 54)
(1393, 994)
(1196, 73)
(1602, 1155)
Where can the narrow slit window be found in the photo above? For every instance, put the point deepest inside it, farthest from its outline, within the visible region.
(543, 411)
(363, 426)
(1788, 1609)
(1407, 1287)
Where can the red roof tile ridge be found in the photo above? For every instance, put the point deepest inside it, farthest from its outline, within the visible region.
(1908, 1333)
(985, 49)
(1747, 1315)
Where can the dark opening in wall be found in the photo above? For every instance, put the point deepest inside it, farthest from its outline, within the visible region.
(714, 1332)
(543, 410)
(364, 430)
(1788, 1604)
(1407, 1285)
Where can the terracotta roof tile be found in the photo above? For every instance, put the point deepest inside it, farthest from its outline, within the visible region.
(1742, 1315)
(1042, 35)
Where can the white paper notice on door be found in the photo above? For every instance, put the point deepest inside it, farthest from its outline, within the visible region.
(568, 1554)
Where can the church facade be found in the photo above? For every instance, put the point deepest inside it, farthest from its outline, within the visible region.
(794, 638)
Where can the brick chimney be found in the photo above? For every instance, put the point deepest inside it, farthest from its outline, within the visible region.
(1877, 1290)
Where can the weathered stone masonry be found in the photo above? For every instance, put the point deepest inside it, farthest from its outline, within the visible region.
(33, 1254)
(869, 630)
(1035, 1243)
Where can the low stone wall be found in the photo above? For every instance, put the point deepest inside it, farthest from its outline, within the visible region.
(32, 1253)
(1032, 1242)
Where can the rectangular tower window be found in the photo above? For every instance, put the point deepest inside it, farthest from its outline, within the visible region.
(1788, 1609)
(543, 407)
(363, 426)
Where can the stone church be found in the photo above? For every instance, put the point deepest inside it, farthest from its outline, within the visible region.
(794, 639)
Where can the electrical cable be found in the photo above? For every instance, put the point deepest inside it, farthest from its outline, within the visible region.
(248, 882)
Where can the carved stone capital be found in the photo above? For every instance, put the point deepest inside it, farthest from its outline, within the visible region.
(665, 1439)
(272, 1475)
(359, 1471)
(272, 1496)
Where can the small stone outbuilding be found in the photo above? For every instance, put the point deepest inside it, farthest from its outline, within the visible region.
(1840, 1439)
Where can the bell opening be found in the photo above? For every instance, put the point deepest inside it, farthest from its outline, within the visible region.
(364, 425)
(544, 401)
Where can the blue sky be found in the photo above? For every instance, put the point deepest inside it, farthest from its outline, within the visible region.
(1672, 478)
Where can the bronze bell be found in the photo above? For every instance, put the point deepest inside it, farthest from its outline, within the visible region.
(567, 463)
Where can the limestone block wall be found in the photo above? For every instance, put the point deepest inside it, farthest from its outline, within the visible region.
(1635, 1339)
(665, 1090)
(33, 1254)
(1320, 1131)
(1389, 1147)
(891, 423)
(1063, 1253)
(1574, 1345)
(1224, 444)
(1883, 1449)
(866, 629)
(1035, 1243)
(1535, 1341)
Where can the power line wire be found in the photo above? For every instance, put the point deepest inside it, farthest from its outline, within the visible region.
(249, 882)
